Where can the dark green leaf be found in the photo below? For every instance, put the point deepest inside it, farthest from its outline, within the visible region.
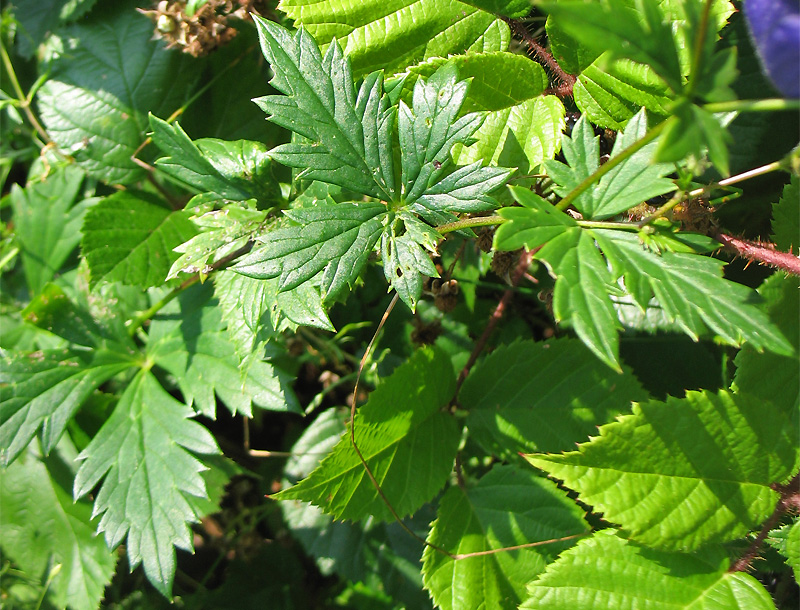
(96, 102)
(507, 507)
(129, 237)
(44, 389)
(466, 189)
(142, 454)
(406, 438)
(786, 218)
(234, 170)
(543, 397)
(332, 241)
(609, 572)
(345, 138)
(685, 473)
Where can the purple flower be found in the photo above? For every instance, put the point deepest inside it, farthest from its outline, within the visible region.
(775, 27)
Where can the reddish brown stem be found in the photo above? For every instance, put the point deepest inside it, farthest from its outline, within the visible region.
(761, 252)
(544, 57)
(789, 500)
(522, 267)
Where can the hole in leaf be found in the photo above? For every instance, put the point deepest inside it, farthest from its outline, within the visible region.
(399, 272)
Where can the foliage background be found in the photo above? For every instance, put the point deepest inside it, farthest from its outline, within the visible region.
(188, 292)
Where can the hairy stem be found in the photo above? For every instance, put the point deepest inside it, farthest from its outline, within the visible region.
(761, 252)
(468, 223)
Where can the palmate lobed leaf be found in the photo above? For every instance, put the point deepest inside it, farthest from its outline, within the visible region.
(606, 571)
(142, 455)
(390, 36)
(685, 473)
(689, 288)
(332, 242)
(507, 507)
(635, 180)
(346, 138)
(406, 438)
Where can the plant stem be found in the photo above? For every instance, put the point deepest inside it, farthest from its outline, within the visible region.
(763, 253)
(468, 223)
(604, 224)
(612, 163)
(683, 196)
(768, 105)
(21, 97)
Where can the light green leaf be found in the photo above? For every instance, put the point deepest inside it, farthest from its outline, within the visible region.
(692, 292)
(609, 93)
(391, 35)
(521, 136)
(44, 389)
(345, 137)
(786, 218)
(506, 508)
(685, 473)
(508, 8)
(692, 130)
(36, 492)
(47, 224)
(532, 225)
(497, 80)
(142, 454)
(634, 180)
(129, 237)
(542, 397)
(786, 540)
(332, 241)
(234, 170)
(405, 262)
(641, 34)
(189, 340)
(381, 555)
(406, 438)
(222, 232)
(605, 571)
(96, 102)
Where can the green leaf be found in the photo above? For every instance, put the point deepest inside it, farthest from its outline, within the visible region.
(129, 237)
(43, 390)
(772, 377)
(35, 492)
(685, 473)
(634, 180)
(234, 170)
(222, 232)
(507, 507)
(381, 35)
(542, 397)
(96, 102)
(497, 80)
(508, 8)
(188, 339)
(787, 542)
(332, 241)
(405, 260)
(692, 292)
(786, 218)
(639, 32)
(47, 223)
(431, 128)
(521, 136)
(466, 189)
(381, 555)
(532, 225)
(345, 137)
(608, 93)
(609, 572)
(694, 131)
(406, 438)
(142, 454)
